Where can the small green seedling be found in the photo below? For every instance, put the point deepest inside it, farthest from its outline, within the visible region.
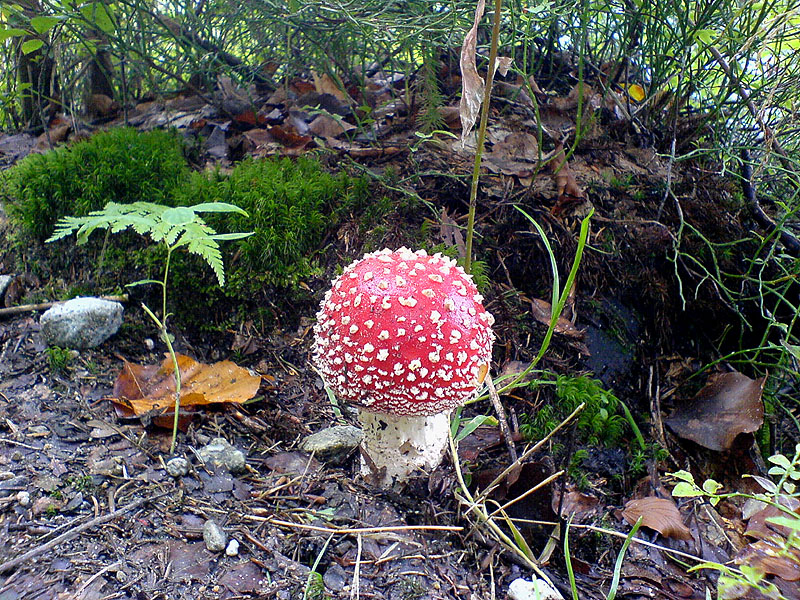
(175, 228)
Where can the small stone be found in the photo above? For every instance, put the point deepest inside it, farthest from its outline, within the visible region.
(23, 498)
(334, 444)
(177, 467)
(5, 281)
(220, 453)
(334, 578)
(538, 589)
(214, 536)
(232, 549)
(17, 456)
(6, 475)
(81, 322)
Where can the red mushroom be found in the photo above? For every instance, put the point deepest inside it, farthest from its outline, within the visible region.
(405, 337)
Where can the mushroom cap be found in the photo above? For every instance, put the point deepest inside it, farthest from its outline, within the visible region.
(403, 332)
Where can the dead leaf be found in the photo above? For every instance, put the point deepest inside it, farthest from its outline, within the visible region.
(771, 557)
(328, 127)
(142, 389)
(541, 311)
(324, 84)
(472, 84)
(659, 514)
(575, 503)
(729, 404)
(568, 189)
(451, 233)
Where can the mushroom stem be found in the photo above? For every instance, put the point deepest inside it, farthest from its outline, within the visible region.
(397, 446)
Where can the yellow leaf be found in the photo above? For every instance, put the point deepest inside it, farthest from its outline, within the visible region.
(636, 92)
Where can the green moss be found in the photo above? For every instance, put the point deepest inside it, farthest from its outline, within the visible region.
(121, 165)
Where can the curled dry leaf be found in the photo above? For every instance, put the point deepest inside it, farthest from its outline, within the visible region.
(471, 83)
(772, 558)
(143, 389)
(659, 514)
(568, 189)
(729, 404)
(541, 311)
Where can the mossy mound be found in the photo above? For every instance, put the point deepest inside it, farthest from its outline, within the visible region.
(293, 206)
(121, 165)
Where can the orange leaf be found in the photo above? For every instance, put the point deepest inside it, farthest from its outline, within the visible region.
(142, 389)
(659, 514)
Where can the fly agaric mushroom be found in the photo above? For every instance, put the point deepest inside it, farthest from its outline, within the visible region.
(404, 336)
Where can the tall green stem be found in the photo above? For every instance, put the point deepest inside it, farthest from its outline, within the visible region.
(476, 169)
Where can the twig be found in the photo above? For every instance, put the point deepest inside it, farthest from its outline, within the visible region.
(68, 535)
(787, 239)
(364, 530)
(23, 308)
(503, 421)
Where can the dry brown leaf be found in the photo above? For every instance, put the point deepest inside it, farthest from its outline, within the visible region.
(659, 514)
(328, 127)
(472, 84)
(451, 233)
(541, 311)
(147, 389)
(771, 558)
(324, 84)
(575, 503)
(568, 189)
(729, 404)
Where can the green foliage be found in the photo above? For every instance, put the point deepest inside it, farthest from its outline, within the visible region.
(120, 165)
(600, 422)
(176, 227)
(778, 494)
(292, 204)
(59, 359)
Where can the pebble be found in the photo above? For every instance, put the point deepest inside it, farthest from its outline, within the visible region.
(81, 322)
(538, 589)
(232, 549)
(23, 498)
(214, 536)
(334, 444)
(177, 467)
(221, 454)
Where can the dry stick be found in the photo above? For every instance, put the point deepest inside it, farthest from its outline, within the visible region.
(364, 530)
(748, 189)
(15, 310)
(502, 420)
(483, 495)
(68, 535)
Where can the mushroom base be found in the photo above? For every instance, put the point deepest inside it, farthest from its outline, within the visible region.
(397, 446)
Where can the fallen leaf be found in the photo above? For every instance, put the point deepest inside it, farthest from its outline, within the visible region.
(541, 311)
(729, 404)
(659, 514)
(328, 127)
(471, 83)
(324, 84)
(771, 557)
(451, 233)
(635, 91)
(143, 389)
(575, 503)
(568, 189)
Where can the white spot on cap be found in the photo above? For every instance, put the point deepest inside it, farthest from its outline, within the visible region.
(367, 275)
(383, 335)
(345, 319)
(415, 364)
(449, 304)
(382, 354)
(383, 285)
(369, 323)
(353, 329)
(455, 336)
(436, 316)
(357, 301)
(386, 305)
(423, 372)
(418, 328)
(400, 332)
(434, 356)
(435, 277)
(409, 302)
(367, 379)
(399, 280)
(428, 293)
(369, 348)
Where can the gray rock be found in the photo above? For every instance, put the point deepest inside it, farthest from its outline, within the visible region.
(81, 322)
(5, 280)
(334, 444)
(334, 578)
(538, 589)
(232, 549)
(220, 453)
(214, 536)
(177, 467)
(24, 498)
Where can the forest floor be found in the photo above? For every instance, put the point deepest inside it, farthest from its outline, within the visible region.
(88, 511)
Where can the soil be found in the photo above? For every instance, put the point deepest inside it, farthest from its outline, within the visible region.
(87, 509)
